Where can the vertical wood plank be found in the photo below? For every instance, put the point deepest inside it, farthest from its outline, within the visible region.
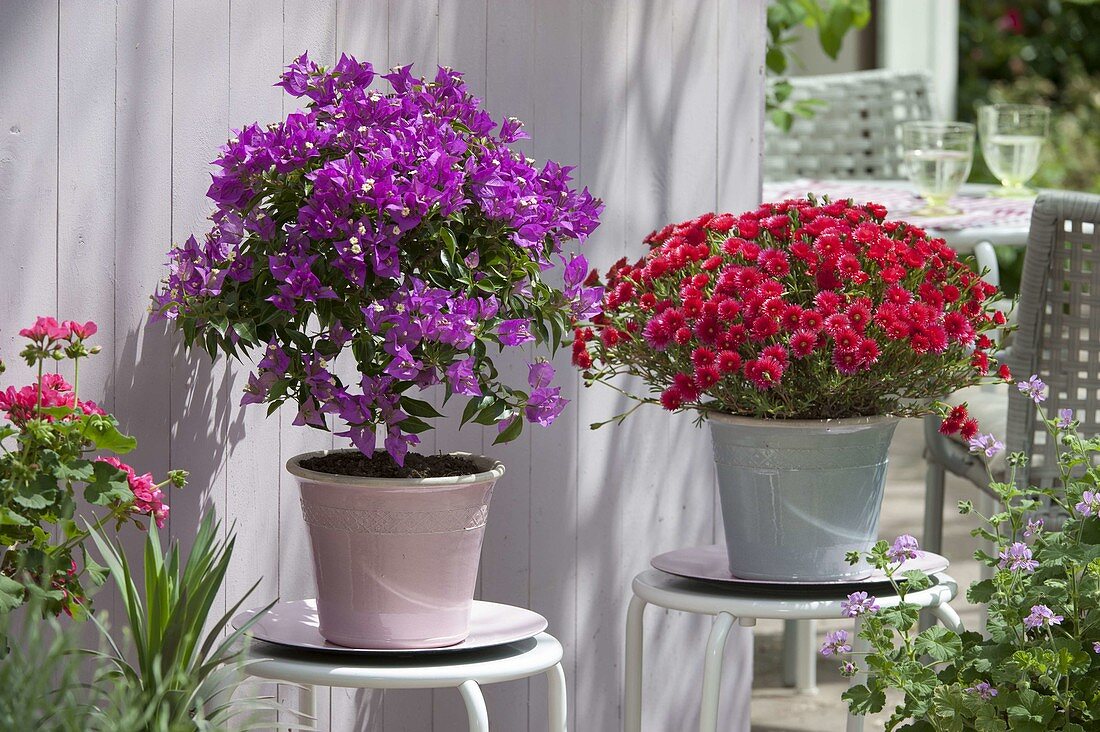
(555, 127)
(143, 232)
(199, 390)
(252, 468)
(602, 455)
(308, 25)
(86, 177)
(652, 138)
(85, 196)
(28, 173)
(740, 111)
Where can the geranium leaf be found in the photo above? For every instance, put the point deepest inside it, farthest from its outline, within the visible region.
(108, 485)
(939, 643)
(106, 436)
(981, 592)
(11, 593)
(76, 471)
(864, 701)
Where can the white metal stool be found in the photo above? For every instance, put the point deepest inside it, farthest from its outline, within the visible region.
(465, 670)
(654, 587)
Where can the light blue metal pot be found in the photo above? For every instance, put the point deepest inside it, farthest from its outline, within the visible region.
(797, 495)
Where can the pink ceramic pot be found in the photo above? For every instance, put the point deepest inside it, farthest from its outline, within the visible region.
(396, 559)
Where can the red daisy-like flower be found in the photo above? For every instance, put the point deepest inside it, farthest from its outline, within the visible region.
(764, 373)
(869, 352)
(777, 352)
(672, 399)
(847, 362)
(803, 343)
(728, 361)
(707, 376)
(703, 357)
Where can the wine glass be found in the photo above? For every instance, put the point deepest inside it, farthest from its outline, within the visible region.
(1012, 137)
(937, 158)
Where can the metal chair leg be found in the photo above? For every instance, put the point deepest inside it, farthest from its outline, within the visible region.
(932, 538)
(632, 687)
(934, 490)
(476, 712)
(949, 617)
(712, 672)
(859, 656)
(559, 704)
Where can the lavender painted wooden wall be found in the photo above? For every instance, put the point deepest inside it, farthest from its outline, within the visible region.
(109, 114)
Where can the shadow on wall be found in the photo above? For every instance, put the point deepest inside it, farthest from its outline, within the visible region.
(197, 418)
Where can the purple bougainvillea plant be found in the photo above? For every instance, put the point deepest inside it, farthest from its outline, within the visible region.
(395, 225)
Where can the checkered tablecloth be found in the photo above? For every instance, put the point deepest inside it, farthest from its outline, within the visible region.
(978, 210)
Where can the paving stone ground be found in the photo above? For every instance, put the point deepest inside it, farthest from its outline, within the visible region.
(778, 709)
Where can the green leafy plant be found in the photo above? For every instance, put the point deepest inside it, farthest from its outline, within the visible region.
(185, 658)
(40, 685)
(831, 19)
(52, 448)
(390, 226)
(1038, 668)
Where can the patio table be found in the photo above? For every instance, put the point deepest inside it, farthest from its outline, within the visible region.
(745, 607)
(984, 221)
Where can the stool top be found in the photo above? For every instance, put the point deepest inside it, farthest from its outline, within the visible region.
(794, 603)
(711, 564)
(296, 624)
(485, 666)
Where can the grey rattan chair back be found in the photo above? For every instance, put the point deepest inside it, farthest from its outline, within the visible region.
(856, 133)
(1059, 327)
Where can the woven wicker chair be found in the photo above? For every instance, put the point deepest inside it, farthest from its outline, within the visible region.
(1058, 338)
(857, 131)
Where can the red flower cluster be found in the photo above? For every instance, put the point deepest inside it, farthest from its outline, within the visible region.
(20, 405)
(798, 309)
(148, 498)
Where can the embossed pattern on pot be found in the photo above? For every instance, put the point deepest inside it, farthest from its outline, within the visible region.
(395, 522)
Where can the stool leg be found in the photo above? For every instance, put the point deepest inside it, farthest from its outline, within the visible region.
(790, 654)
(712, 672)
(307, 703)
(947, 615)
(805, 634)
(632, 688)
(859, 657)
(559, 704)
(475, 706)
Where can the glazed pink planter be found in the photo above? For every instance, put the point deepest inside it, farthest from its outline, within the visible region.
(396, 559)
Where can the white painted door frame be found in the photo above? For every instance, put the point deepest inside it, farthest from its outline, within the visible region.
(923, 35)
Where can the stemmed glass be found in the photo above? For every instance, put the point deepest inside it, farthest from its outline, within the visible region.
(937, 157)
(1012, 137)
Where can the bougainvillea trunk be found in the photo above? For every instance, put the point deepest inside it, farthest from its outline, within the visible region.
(396, 559)
(798, 495)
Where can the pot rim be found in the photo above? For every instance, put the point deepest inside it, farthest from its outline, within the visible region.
(873, 420)
(495, 469)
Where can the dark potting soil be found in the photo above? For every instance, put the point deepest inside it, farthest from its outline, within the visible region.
(382, 465)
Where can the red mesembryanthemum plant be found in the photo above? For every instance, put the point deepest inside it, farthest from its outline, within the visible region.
(796, 310)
